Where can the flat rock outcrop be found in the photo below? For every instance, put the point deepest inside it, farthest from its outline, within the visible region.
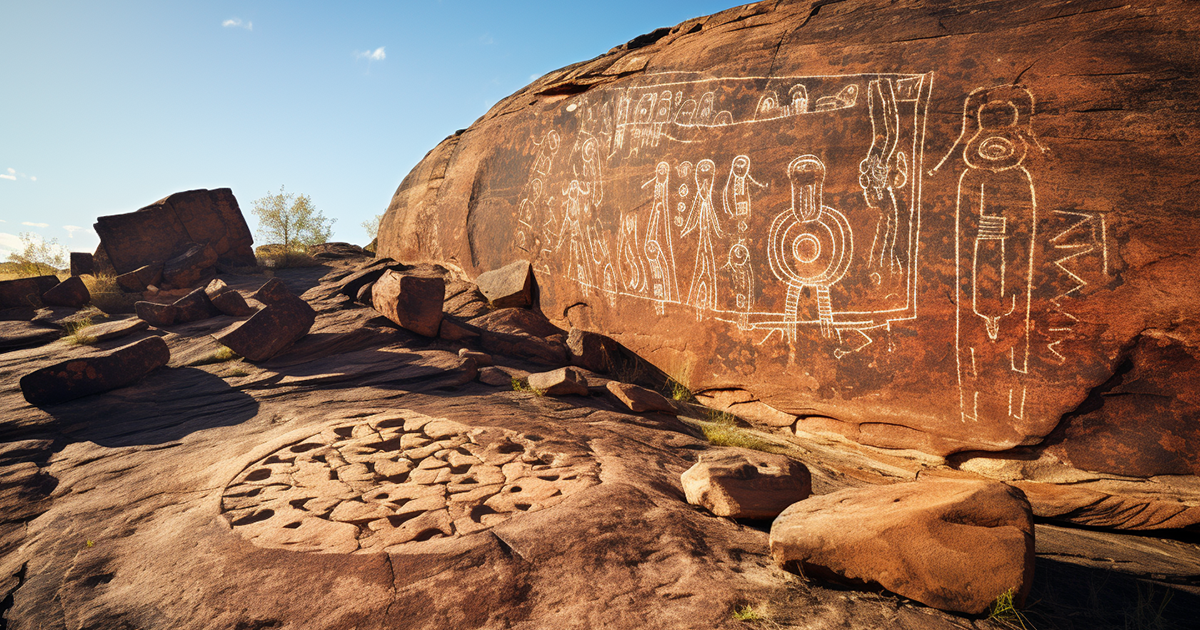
(168, 227)
(742, 483)
(952, 230)
(949, 543)
(100, 372)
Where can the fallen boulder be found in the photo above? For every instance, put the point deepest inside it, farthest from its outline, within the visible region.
(638, 398)
(593, 351)
(742, 483)
(227, 300)
(137, 280)
(564, 381)
(16, 334)
(95, 373)
(509, 286)
(166, 228)
(70, 292)
(155, 314)
(194, 307)
(82, 263)
(24, 292)
(187, 269)
(107, 331)
(283, 321)
(351, 285)
(951, 544)
(412, 302)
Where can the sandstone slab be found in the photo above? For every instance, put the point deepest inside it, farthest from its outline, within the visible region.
(137, 280)
(25, 292)
(70, 292)
(564, 381)
(194, 306)
(187, 269)
(21, 334)
(227, 300)
(639, 399)
(108, 331)
(741, 483)
(952, 544)
(82, 263)
(413, 302)
(95, 373)
(509, 286)
(157, 315)
(285, 319)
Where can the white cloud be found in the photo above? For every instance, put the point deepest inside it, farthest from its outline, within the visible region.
(72, 229)
(10, 243)
(36, 225)
(9, 177)
(372, 55)
(32, 178)
(238, 23)
(12, 171)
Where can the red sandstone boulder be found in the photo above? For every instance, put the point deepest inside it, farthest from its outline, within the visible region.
(412, 302)
(155, 314)
(637, 398)
(194, 307)
(70, 292)
(15, 334)
(116, 329)
(82, 263)
(917, 225)
(166, 228)
(742, 483)
(952, 544)
(25, 292)
(95, 373)
(285, 319)
(523, 333)
(190, 267)
(564, 381)
(137, 280)
(227, 300)
(509, 286)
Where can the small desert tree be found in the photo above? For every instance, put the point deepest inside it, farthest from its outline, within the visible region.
(371, 226)
(39, 256)
(291, 221)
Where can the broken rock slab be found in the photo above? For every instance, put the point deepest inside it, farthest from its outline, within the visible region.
(285, 319)
(82, 263)
(227, 300)
(70, 292)
(190, 267)
(494, 376)
(137, 280)
(95, 373)
(155, 314)
(638, 398)
(116, 329)
(564, 381)
(16, 334)
(194, 307)
(509, 286)
(948, 543)
(743, 483)
(24, 292)
(413, 302)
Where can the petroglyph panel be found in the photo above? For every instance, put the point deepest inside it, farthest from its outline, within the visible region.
(378, 483)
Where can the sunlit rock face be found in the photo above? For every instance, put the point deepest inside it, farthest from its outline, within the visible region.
(948, 229)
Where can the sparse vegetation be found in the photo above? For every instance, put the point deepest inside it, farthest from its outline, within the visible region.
(76, 334)
(293, 222)
(520, 385)
(236, 372)
(39, 256)
(747, 613)
(371, 226)
(220, 355)
(1004, 610)
(107, 295)
(721, 430)
(678, 391)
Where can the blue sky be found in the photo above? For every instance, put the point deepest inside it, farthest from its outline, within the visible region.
(109, 106)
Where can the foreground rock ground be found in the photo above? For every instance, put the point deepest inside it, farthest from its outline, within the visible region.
(228, 494)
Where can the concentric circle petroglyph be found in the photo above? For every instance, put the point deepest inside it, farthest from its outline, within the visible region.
(377, 483)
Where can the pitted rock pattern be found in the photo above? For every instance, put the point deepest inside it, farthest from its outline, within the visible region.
(377, 483)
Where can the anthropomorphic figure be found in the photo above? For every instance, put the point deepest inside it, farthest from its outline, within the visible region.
(736, 196)
(883, 172)
(660, 256)
(742, 275)
(703, 219)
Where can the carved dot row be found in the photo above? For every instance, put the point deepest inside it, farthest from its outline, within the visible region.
(376, 484)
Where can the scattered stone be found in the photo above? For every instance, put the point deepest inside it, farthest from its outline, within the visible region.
(742, 483)
(463, 300)
(227, 300)
(187, 269)
(23, 292)
(593, 351)
(509, 286)
(70, 292)
(194, 307)
(412, 302)
(115, 330)
(564, 381)
(639, 399)
(82, 263)
(285, 319)
(95, 373)
(15, 334)
(351, 284)
(168, 227)
(141, 278)
(947, 543)
(482, 359)
(155, 314)
(494, 376)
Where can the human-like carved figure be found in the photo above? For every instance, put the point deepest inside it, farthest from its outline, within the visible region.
(882, 172)
(742, 275)
(660, 255)
(996, 221)
(736, 191)
(811, 244)
(703, 217)
(662, 116)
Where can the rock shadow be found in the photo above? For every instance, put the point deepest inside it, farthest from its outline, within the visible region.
(1067, 596)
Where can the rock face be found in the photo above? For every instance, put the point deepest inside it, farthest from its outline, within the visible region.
(412, 302)
(285, 319)
(96, 373)
(509, 286)
(947, 543)
(188, 268)
(780, 201)
(741, 483)
(168, 227)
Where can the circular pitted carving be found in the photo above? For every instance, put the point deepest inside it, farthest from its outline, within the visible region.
(377, 483)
